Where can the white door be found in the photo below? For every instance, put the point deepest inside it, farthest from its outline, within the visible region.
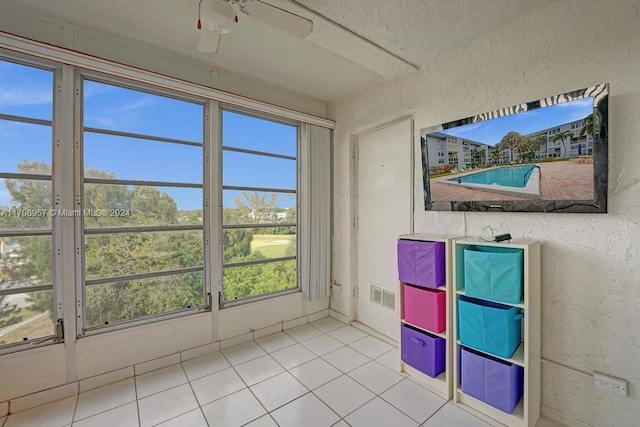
(384, 211)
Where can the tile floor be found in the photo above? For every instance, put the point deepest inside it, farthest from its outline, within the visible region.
(319, 374)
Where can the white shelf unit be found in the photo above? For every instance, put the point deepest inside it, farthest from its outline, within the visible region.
(443, 383)
(527, 354)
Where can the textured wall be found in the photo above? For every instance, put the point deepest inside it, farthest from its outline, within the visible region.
(591, 274)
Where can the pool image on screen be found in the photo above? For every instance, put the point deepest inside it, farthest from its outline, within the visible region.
(540, 155)
(508, 176)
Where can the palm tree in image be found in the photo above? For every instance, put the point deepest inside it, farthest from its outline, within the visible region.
(561, 136)
(495, 155)
(538, 141)
(528, 147)
(587, 129)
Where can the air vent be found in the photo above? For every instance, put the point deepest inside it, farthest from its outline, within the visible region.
(382, 297)
(389, 300)
(375, 294)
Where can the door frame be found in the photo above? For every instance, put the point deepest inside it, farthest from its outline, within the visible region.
(353, 202)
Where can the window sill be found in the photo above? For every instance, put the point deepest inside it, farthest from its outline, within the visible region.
(258, 298)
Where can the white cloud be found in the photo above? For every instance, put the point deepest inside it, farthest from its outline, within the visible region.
(135, 105)
(12, 96)
(95, 121)
(95, 89)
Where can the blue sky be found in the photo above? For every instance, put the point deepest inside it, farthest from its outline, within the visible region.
(27, 91)
(491, 131)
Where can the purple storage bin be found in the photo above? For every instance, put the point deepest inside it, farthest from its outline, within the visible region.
(424, 352)
(495, 382)
(430, 264)
(407, 261)
(421, 263)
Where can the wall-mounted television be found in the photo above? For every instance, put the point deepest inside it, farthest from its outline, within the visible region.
(549, 155)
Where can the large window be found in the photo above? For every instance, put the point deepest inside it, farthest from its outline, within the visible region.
(26, 233)
(259, 206)
(143, 217)
(122, 199)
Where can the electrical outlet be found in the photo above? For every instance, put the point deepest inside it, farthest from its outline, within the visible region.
(608, 383)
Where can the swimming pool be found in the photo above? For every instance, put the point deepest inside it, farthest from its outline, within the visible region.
(523, 181)
(508, 176)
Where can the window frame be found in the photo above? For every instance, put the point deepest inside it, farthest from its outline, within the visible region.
(82, 329)
(222, 303)
(67, 125)
(56, 183)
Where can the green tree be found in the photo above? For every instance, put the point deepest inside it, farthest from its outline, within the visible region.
(236, 243)
(247, 280)
(6, 311)
(495, 154)
(562, 136)
(256, 207)
(511, 141)
(476, 157)
(149, 205)
(32, 263)
(259, 279)
(529, 147)
(261, 208)
(114, 255)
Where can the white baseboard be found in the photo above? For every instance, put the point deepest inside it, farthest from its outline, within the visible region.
(339, 316)
(374, 333)
(561, 417)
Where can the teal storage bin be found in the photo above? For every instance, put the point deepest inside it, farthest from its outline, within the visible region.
(488, 326)
(494, 273)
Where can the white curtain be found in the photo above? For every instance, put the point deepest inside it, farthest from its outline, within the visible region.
(315, 211)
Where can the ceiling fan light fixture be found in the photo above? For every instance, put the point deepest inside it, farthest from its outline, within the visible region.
(217, 15)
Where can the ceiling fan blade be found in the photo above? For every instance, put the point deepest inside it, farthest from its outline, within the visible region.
(209, 41)
(290, 22)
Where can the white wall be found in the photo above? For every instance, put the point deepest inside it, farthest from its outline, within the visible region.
(37, 369)
(591, 290)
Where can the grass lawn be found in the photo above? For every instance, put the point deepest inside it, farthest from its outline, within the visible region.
(272, 245)
(36, 329)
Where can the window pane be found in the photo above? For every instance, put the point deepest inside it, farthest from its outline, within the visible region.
(251, 244)
(110, 255)
(251, 170)
(253, 280)
(122, 205)
(25, 148)
(127, 110)
(25, 261)
(26, 91)
(137, 159)
(25, 204)
(113, 302)
(254, 207)
(242, 131)
(26, 316)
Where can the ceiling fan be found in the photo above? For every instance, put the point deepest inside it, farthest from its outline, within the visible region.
(217, 17)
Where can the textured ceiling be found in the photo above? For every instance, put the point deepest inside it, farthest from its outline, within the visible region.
(330, 64)
(417, 30)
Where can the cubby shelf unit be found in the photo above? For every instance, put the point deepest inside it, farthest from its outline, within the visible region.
(527, 354)
(443, 383)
